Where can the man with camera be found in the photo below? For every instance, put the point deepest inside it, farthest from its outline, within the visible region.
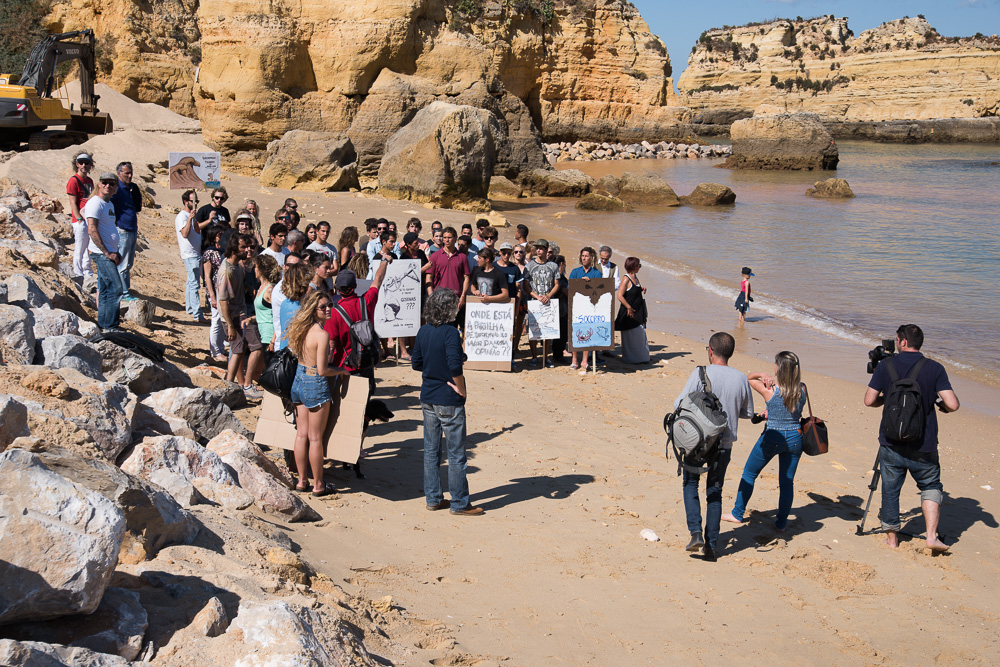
(904, 445)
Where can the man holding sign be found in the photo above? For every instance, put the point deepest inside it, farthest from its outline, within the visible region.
(542, 286)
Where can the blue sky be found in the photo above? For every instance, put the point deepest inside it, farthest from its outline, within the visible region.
(680, 23)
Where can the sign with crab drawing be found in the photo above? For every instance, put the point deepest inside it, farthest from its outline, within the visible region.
(591, 314)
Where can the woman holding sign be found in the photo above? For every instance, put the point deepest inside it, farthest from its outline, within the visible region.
(631, 319)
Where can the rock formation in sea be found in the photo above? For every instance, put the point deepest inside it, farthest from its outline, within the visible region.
(903, 69)
(254, 70)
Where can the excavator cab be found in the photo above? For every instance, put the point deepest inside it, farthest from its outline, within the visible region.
(28, 108)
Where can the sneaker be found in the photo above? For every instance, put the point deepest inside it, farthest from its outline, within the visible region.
(549, 363)
(252, 393)
(129, 298)
(696, 543)
(468, 511)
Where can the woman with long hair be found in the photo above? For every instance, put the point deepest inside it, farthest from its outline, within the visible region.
(295, 286)
(359, 264)
(631, 318)
(345, 246)
(310, 342)
(251, 207)
(311, 233)
(268, 273)
(211, 260)
(320, 262)
(785, 395)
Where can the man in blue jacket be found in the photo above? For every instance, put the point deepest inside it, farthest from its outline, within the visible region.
(437, 352)
(127, 201)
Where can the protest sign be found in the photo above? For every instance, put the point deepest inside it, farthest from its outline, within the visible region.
(195, 170)
(543, 320)
(591, 314)
(398, 310)
(344, 429)
(489, 333)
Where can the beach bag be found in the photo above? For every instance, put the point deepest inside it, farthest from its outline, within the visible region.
(903, 417)
(366, 351)
(279, 374)
(695, 428)
(815, 439)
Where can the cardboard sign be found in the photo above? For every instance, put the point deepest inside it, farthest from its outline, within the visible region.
(489, 334)
(592, 314)
(191, 171)
(543, 320)
(343, 436)
(398, 310)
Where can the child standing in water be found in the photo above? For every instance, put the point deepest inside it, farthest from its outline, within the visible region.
(744, 299)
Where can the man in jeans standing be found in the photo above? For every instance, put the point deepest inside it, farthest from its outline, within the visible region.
(189, 243)
(437, 353)
(733, 390)
(99, 213)
(128, 203)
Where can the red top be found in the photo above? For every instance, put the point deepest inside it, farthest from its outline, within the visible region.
(744, 287)
(449, 270)
(340, 337)
(79, 189)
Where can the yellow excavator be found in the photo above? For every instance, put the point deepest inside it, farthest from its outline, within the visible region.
(28, 108)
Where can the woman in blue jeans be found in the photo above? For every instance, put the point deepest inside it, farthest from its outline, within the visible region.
(785, 395)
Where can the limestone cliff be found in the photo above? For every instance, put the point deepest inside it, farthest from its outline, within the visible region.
(567, 69)
(902, 69)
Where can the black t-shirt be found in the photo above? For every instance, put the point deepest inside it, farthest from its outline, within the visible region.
(513, 277)
(421, 255)
(932, 379)
(489, 283)
(222, 216)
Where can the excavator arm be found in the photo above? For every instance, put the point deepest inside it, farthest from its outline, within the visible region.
(40, 70)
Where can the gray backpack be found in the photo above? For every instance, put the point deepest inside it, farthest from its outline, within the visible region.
(695, 428)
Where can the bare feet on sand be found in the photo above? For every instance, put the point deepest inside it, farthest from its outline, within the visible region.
(937, 546)
(730, 518)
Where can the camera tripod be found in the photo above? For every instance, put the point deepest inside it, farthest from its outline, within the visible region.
(872, 486)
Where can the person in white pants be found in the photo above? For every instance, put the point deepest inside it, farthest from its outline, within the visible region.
(79, 188)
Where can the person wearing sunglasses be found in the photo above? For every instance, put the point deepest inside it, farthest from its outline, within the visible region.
(79, 188)
(214, 212)
(127, 201)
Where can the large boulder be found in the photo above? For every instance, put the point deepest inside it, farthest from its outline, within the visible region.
(560, 183)
(269, 484)
(445, 155)
(141, 312)
(54, 322)
(103, 409)
(207, 415)
(59, 541)
(41, 654)
(646, 190)
(116, 628)
(74, 352)
(153, 519)
(142, 375)
(23, 291)
(501, 186)
(229, 393)
(782, 141)
(600, 202)
(17, 336)
(185, 457)
(710, 194)
(313, 161)
(831, 188)
(13, 420)
(147, 421)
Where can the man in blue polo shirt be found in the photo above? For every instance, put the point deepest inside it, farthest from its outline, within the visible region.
(127, 201)
(919, 459)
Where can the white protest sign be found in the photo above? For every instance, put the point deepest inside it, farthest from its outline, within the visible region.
(398, 310)
(489, 331)
(195, 170)
(543, 320)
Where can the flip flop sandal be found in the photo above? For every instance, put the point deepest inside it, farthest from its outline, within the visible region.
(325, 491)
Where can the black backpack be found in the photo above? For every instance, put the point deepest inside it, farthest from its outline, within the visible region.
(366, 351)
(903, 417)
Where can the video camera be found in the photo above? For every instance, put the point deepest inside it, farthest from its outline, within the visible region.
(884, 351)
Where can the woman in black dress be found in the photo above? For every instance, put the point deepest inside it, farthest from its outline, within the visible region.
(631, 319)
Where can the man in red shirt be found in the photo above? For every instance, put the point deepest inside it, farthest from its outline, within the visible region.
(450, 268)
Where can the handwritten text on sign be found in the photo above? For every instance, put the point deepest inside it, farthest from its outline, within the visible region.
(398, 311)
(488, 331)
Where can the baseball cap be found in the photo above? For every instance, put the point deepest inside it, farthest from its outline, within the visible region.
(541, 242)
(410, 237)
(746, 271)
(346, 280)
(83, 157)
(506, 246)
(109, 177)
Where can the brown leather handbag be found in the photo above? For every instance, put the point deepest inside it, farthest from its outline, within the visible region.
(815, 439)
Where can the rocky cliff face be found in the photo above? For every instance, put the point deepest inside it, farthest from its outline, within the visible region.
(575, 69)
(901, 70)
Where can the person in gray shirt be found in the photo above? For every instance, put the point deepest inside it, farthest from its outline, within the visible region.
(733, 390)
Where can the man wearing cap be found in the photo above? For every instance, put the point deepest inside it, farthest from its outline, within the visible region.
(99, 213)
(351, 303)
(128, 203)
(79, 188)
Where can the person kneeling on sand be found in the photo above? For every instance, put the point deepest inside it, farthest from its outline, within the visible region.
(437, 353)
(733, 390)
(920, 459)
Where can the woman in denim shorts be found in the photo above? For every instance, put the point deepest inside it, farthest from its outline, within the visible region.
(310, 342)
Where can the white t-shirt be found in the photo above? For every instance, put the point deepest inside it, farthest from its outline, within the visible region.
(279, 257)
(277, 298)
(190, 246)
(104, 212)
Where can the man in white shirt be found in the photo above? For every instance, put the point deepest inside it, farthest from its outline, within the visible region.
(99, 213)
(189, 242)
(607, 267)
(276, 248)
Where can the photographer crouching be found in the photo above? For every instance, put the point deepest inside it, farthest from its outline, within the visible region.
(909, 385)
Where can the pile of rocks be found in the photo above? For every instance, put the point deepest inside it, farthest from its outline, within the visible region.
(588, 150)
